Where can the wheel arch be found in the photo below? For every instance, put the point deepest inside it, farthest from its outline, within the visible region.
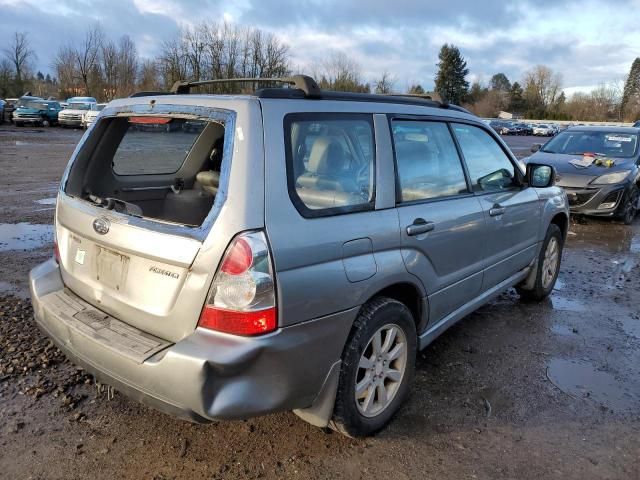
(410, 295)
(562, 221)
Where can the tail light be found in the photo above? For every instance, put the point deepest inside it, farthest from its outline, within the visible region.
(242, 299)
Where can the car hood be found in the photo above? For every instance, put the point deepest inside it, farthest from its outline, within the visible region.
(73, 112)
(28, 110)
(577, 177)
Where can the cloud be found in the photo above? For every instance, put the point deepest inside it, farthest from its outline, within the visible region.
(587, 41)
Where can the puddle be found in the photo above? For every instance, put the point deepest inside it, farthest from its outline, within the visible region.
(635, 245)
(563, 330)
(10, 289)
(559, 284)
(631, 326)
(24, 236)
(46, 201)
(561, 303)
(22, 143)
(584, 381)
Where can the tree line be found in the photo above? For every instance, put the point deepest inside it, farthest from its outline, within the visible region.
(106, 69)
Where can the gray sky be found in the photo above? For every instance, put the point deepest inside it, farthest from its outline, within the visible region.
(588, 41)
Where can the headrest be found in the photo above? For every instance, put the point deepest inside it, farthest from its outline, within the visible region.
(326, 157)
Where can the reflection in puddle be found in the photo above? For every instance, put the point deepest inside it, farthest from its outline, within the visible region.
(583, 380)
(561, 303)
(631, 326)
(24, 236)
(46, 201)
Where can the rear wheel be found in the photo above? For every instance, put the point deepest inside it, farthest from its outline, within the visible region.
(547, 268)
(377, 368)
(45, 122)
(631, 205)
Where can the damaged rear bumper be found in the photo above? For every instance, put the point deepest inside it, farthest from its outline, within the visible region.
(207, 375)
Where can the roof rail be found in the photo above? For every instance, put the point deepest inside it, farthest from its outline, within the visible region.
(148, 94)
(410, 95)
(302, 82)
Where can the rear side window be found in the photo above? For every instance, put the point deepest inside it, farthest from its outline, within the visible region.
(153, 146)
(489, 167)
(330, 162)
(427, 162)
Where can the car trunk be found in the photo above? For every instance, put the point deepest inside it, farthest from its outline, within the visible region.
(133, 217)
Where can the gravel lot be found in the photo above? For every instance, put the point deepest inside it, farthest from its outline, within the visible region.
(515, 390)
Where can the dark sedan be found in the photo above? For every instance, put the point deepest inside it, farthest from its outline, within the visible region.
(598, 167)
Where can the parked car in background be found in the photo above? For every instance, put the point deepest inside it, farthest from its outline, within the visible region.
(37, 112)
(523, 129)
(543, 130)
(9, 107)
(509, 129)
(497, 125)
(288, 253)
(637, 124)
(90, 116)
(2, 104)
(73, 115)
(598, 168)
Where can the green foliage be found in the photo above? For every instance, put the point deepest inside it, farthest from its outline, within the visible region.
(416, 90)
(450, 80)
(500, 82)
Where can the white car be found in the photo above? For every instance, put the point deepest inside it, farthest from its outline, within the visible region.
(73, 114)
(90, 116)
(544, 130)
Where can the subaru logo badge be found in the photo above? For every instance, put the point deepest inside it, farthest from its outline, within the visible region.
(101, 225)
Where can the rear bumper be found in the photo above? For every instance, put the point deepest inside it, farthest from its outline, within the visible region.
(207, 375)
(590, 201)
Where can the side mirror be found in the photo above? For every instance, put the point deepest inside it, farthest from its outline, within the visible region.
(535, 147)
(540, 176)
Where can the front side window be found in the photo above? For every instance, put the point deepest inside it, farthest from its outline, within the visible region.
(427, 162)
(489, 167)
(330, 162)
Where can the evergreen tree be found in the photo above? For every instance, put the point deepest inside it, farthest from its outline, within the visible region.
(631, 89)
(416, 90)
(500, 82)
(516, 99)
(450, 80)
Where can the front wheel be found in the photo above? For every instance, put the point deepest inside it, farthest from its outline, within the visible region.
(547, 268)
(631, 205)
(377, 368)
(45, 122)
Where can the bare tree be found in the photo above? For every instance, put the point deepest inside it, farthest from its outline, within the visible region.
(385, 83)
(109, 59)
(127, 67)
(149, 78)
(20, 54)
(339, 72)
(87, 57)
(542, 86)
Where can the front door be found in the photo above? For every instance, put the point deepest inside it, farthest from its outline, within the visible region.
(511, 211)
(441, 221)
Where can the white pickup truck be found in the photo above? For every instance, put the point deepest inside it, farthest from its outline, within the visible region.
(73, 114)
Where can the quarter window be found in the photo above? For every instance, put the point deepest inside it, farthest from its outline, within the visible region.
(427, 161)
(489, 167)
(330, 162)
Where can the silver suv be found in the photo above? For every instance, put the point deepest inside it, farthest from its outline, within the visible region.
(222, 257)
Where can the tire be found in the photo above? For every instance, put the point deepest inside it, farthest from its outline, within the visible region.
(45, 122)
(544, 283)
(367, 414)
(631, 205)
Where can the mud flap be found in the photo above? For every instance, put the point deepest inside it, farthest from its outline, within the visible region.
(320, 412)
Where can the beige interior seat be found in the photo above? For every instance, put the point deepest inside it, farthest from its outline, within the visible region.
(209, 181)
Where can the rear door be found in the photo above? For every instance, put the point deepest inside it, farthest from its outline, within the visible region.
(441, 221)
(512, 212)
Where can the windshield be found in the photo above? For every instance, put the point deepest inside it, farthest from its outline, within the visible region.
(35, 105)
(610, 144)
(79, 106)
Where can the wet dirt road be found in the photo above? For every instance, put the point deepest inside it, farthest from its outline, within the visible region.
(515, 390)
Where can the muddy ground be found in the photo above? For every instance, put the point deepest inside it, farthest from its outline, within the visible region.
(516, 390)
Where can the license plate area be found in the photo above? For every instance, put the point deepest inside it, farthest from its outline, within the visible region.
(112, 268)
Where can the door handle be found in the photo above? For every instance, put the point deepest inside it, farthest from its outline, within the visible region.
(497, 210)
(420, 226)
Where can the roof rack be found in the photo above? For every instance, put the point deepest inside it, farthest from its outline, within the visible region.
(305, 87)
(301, 82)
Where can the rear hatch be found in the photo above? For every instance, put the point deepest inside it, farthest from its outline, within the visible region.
(141, 219)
